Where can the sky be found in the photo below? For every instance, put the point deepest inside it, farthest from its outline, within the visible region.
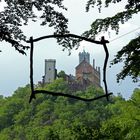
(14, 70)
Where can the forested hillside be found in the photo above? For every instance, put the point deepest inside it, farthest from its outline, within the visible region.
(61, 118)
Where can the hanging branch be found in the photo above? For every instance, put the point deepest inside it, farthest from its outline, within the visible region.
(102, 42)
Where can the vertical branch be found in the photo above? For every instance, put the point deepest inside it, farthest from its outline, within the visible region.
(31, 70)
(105, 65)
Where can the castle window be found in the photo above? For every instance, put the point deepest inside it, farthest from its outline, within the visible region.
(49, 68)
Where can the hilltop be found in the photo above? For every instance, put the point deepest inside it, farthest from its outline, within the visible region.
(60, 118)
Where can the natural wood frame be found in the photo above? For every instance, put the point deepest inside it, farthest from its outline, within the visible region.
(102, 42)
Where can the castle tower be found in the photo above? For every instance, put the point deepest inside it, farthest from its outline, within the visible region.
(50, 71)
(85, 72)
(84, 56)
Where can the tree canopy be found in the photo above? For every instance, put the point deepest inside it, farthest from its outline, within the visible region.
(18, 13)
(132, 7)
(129, 54)
(57, 118)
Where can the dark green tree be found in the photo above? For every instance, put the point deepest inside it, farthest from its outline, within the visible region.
(19, 12)
(129, 54)
(60, 118)
(132, 7)
(124, 120)
(61, 74)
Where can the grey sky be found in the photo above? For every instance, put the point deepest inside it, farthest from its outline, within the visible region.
(14, 70)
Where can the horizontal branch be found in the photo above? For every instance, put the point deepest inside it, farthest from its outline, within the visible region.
(70, 96)
(69, 35)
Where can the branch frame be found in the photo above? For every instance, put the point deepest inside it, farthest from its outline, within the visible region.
(103, 42)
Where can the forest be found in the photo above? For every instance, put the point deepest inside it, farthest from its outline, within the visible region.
(60, 118)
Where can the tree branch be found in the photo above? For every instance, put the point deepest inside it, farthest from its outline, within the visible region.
(68, 35)
(31, 71)
(105, 65)
(70, 96)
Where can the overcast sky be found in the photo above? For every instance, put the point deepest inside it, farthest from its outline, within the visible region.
(14, 71)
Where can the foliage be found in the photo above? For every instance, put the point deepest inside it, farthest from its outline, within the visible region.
(132, 7)
(58, 85)
(124, 124)
(20, 12)
(63, 118)
(61, 74)
(130, 56)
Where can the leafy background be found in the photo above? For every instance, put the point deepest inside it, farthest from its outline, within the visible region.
(53, 118)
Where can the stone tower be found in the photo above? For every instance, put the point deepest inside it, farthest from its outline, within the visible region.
(84, 56)
(50, 70)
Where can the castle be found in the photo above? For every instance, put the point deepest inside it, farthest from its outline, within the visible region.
(85, 73)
